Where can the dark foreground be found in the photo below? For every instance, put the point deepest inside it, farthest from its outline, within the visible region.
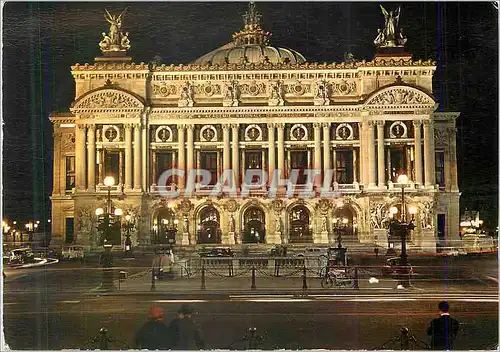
(54, 309)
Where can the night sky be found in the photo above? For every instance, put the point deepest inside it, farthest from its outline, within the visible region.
(42, 40)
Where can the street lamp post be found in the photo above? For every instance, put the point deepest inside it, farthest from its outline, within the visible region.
(128, 243)
(402, 229)
(105, 227)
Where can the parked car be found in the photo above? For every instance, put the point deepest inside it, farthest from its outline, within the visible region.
(393, 267)
(21, 256)
(313, 252)
(73, 252)
(216, 252)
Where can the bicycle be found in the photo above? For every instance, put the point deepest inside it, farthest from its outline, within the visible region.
(337, 277)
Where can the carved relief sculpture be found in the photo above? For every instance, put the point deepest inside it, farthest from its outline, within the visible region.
(232, 94)
(399, 96)
(276, 94)
(108, 99)
(186, 97)
(377, 214)
(322, 96)
(427, 215)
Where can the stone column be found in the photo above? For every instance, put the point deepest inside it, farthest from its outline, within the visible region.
(145, 155)
(281, 148)
(154, 166)
(120, 167)
(317, 146)
(80, 169)
(128, 157)
(363, 153)
(326, 147)
(181, 155)
(137, 157)
(429, 157)
(91, 157)
(100, 170)
(334, 154)
(271, 151)
(355, 165)
(380, 154)
(371, 154)
(452, 131)
(190, 148)
(236, 154)
(226, 153)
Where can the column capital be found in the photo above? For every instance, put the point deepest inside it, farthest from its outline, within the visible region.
(271, 125)
(371, 124)
(380, 123)
(181, 127)
(234, 125)
(189, 127)
(280, 125)
(429, 123)
(127, 126)
(317, 125)
(91, 127)
(81, 126)
(226, 127)
(325, 124)
(137, 126)
(417, 123)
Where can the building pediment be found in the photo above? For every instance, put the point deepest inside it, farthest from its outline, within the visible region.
(106, 99)
(399, 95)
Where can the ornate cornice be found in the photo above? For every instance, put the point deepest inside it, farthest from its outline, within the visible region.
(108, 98)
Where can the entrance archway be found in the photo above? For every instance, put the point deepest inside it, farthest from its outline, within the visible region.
(164, 227)
(255, 225)
(343, 224)
(299, 220)
(209, 226)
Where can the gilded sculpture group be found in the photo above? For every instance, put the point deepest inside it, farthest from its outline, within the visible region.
(390, 36)
(115, 40)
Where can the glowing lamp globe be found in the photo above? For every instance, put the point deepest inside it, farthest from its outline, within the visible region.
(109, 181)
(403, 179)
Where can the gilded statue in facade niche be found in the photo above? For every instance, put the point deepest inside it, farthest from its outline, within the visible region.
(232, 224)
(391, 35)
(279, 226)
(323, 224)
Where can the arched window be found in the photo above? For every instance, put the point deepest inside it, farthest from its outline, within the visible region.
(254, 225)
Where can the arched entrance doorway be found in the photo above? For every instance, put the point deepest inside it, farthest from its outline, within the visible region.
(343, 224)
(298, 219)
(164, 227)
(209, 226)
(255, 225)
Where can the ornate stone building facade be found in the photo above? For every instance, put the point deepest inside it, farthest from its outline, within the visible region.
(249, 105)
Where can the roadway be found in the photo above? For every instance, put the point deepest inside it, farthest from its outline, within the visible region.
(52, 308)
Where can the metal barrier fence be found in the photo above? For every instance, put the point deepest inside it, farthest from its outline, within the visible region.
(255, 267)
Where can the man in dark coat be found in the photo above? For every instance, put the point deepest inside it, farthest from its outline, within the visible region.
(443, 330)
(185, 333)
(154, 334)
